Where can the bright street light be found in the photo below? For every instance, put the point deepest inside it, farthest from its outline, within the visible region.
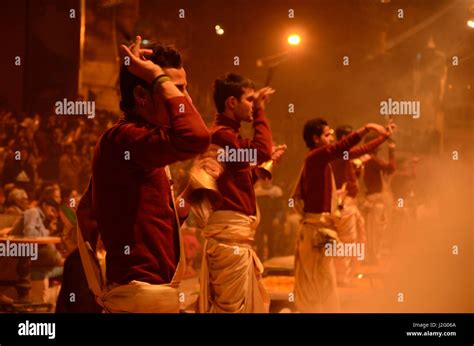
(294, 40)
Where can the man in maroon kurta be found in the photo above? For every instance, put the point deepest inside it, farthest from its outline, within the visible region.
(236, 183)
(315, 280)
(350, 226)
(131, 195)
(343, 167)
(376, 165)
(231, 272)
(131, 192)
(377, 202)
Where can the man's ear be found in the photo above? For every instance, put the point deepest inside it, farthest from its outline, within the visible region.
(139, 95)
(231, 102)
(316, 139)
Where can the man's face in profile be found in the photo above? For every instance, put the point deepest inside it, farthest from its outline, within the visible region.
(178, 77)
(159, 110)
(244, 108)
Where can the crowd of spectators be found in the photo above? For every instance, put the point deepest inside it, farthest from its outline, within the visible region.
(45, 165)
(38, 149)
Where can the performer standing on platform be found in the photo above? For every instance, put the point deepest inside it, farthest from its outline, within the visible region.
(231, 271)
(131, 195)
(350, 226)
(377, 200)
(315, 278)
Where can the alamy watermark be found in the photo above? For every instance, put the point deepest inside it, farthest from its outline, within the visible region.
(393, 107)
(66, 107)
(37, 329)
(14, 249)
(228, 154)
(334, 249)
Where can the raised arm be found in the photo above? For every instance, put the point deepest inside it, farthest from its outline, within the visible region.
(153, 147)
(187, 136)
(385, 133)
(262, 134)
(362, 149)
(387, 166)
(262, 137)
(336, 150)
(333, 151)
(148, 71)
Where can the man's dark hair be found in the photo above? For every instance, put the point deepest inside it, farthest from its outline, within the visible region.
(311, 128)
(50, 202)
(164, 56)
(229, 85)
(343, 130)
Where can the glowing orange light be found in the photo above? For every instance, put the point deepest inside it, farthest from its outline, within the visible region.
(219, 30)
(294, 40)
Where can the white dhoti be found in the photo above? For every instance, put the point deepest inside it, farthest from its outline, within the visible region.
(315, 275)
(140, 297)
(231, 273)
(350, 229)
(376, 224)
(136, 296)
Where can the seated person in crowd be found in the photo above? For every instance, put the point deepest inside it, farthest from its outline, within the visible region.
(17, 202)
(40, 221)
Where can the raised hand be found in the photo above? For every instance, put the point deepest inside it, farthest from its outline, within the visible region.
(278, 152)
(139, 65)
(262, 97)
(378, 128)
(391, 127)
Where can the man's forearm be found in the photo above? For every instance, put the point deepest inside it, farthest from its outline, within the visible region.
(365, 148)
(363, 131)
(166, 90)
(262, 137)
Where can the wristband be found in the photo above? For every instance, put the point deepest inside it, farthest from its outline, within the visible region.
(160, 79)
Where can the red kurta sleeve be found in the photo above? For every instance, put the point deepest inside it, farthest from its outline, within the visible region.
(386, 166)
(152, 147)
(333, 151)
(360, 150)
(261, 141)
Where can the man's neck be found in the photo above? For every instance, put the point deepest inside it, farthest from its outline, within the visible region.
(230, 115)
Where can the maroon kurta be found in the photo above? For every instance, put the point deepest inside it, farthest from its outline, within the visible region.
(315, 186)
(236, 182)
(373, 168)
(131, 193)
(344, 170)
